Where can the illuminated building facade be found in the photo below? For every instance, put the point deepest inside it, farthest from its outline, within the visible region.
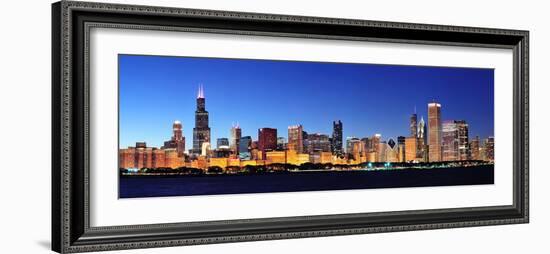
(375, 147)
(434, 131)
(296, 138)
(449, 141)
(317, 142)
(178, 140)
(401, 148)
(275, 157)
(463, 140)
(489, 146)
(236, 133)
(267, 140)
(410, 148)
(474, 149)
(159, 156)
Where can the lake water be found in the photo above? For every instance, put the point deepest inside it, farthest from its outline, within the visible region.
(183, 185)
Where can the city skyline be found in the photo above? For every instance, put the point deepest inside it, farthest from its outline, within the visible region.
(362, 113)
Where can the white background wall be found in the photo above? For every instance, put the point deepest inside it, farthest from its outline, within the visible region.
(25, 126)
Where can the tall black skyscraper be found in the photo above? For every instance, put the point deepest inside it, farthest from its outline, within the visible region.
(337, 138)
(201, 132)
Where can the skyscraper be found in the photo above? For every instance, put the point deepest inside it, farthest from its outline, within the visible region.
(422, 140)
(474, 149)
(353, 148)
(201, 132)
(267, 140)
(375, 146)
(401, 148)
(235, 138)
(422, 130)
(434, 131)
(413, 125)
(449, 143)
(463, 143)
(178, 140)
(296, 138)
(489, 146)
(337, 138)
(410, 149)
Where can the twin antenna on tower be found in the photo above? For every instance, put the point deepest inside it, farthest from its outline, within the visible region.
(200, 94)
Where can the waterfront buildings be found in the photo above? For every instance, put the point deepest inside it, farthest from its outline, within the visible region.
(434, 131)
(442, 141)
(201, 132)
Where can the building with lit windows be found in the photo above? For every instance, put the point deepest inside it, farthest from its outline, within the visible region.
(489, 146)
(434, 132)
(275, 157)
(449, 141)
(235, 138)
(410, 148)
(474, 149)
(337, 138)
(178, 140)
(296, 138)
(267, 140)
(317, 142)
(463, 141)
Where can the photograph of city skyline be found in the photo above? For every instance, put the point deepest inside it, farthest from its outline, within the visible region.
(204, 126)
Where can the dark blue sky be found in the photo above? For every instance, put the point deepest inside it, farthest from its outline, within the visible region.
(368, 98)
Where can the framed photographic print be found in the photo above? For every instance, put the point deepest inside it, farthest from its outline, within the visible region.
(181, 126)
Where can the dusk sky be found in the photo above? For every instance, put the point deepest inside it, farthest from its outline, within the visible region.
(154, 91)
